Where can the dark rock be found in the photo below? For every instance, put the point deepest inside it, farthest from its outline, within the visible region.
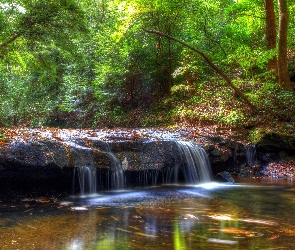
(226, 176)
(273, 142)
(43, 157)
(272, 147)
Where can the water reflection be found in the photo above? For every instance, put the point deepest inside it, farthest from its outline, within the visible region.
(76, 244)
(229, 217)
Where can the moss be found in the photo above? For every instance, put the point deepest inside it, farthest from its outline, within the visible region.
(256, 135)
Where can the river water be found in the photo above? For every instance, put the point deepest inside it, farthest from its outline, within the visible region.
(212, 216)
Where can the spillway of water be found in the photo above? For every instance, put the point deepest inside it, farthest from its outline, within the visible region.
(251, 154)
(195, 163)
(87, 179)
(90, 179)
(117, 172)
(191, 166)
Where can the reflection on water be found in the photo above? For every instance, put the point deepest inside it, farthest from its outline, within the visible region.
(199, 217)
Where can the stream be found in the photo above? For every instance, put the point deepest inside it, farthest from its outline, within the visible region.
(255, 215)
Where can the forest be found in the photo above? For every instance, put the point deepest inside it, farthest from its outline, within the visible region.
(136, 124)
(135, 63)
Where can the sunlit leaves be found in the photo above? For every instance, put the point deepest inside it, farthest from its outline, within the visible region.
(92, 57)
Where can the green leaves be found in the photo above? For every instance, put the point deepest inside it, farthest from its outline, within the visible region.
(92, 58)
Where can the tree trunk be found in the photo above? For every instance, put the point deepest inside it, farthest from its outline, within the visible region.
(283, 75)
(270, 33)
(211, 64)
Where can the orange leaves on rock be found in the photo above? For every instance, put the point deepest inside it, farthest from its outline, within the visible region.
(58, 138)
(136, 135)
(281, 170)
(51, 129)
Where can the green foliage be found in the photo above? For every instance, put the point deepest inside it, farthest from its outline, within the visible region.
(256, 135)
(274, 102)
(89, 63)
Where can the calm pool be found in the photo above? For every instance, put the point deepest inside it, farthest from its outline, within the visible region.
(244, 216)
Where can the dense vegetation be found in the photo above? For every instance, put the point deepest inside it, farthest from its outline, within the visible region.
(94, 64)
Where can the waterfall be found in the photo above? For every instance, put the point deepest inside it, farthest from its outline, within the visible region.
(87, 179)
(251, 154)
(117, 172)
(185, 160)
(194, 161)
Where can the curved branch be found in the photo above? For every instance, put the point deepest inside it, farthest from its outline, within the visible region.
(17, 35)
(211, 64)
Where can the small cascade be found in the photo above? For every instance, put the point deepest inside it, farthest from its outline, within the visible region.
(87, 179)
(188, 163)
(195, 163)
(251, 154)
(117, 180)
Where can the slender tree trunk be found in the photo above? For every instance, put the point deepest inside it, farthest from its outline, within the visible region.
(270, 33)
(211, 64)
(283, 75)
(169, 63)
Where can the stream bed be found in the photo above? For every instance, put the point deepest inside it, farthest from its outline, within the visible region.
(210, 216)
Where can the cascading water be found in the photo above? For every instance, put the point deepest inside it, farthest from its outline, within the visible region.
(117, 172)
(87, 179)
(90, 179)
(195, 163)
(251, 154)
(190, 164)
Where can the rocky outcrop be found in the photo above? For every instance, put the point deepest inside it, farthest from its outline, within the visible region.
(45, 155)
(133, 155)
(273, 147)
(225, 154)
(134, 151)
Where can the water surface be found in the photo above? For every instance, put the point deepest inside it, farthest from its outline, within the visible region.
(252, 216)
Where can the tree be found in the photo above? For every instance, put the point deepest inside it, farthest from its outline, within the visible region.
(270, 34)
(37, 38)
(283, 75)
(212, 65)
(45, 21)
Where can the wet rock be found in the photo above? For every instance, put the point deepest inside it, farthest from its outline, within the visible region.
(139, 150)
(40, 153)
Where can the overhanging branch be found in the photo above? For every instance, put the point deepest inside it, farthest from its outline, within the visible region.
(13, 38)
(211, 64)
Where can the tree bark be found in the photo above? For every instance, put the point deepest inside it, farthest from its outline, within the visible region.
(283, 75)
(270, 33)
(211, 64)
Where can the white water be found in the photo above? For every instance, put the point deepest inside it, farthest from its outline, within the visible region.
(251, 154)
(195, 163)
(117, 180)
(87, 179)
(87, 176)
